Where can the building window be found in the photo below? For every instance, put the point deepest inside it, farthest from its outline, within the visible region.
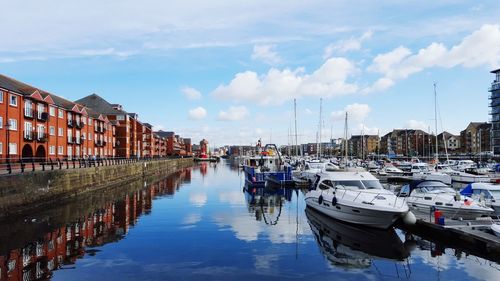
(60, 132)
(90, 136)
(1, 122)
(13, 100)
(84, 120)
(40, 110)
(28, 109)
(13, 148)
(90, 121)
(60, 150)
(83, 135)
(120, 117)
(52, 131)
(52, 111)
(1, 96)
(52, 150)
(13, 124)
(1, 147)
(60, 113)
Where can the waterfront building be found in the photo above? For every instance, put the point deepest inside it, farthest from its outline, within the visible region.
(408, 142)
(174, 144)
(36, 124)
(363, 145)
(448, 142)
(127, 125)
(476, 138)
(495, 112)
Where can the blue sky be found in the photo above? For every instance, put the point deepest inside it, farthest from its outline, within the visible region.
(229, 70)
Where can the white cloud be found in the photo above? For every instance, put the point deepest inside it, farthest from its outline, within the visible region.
(363, 129)
(344, 46)
(356, 112)
(234, 113)
(380, 85)
(197, 113)
(198, 199)
(482, 47)
(267, 54)
(279, 86)
(417, 125)
(191, 93)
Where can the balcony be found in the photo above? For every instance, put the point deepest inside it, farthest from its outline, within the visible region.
(28, 135)
(70, 140)
(43, 116)
(71, 123)
(77, 140)
(79, 125)
(494, 86)
(99, 143)
(42, 137)
(29, 113)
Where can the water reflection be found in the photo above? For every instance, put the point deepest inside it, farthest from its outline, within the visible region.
(58, 247)
(267, 203)
(348, 245)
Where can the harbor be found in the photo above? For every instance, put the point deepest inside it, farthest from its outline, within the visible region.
(202, 222)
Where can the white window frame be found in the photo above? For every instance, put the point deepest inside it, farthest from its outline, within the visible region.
(60, 150)
(52, 130)
(12, 124)
(90, 136)
(52, 150)
(1, 122)
(1, 96)
(60, 132)
(60, 113)
(52, 111)
(11, 96)
(1, 148)
(13, 148)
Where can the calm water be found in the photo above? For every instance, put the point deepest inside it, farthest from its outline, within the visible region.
(201, 225)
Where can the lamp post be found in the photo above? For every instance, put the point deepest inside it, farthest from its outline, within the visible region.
(7, 128)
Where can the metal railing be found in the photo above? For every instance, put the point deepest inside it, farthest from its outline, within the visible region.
(16, 165)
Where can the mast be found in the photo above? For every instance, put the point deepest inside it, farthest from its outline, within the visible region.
(345, 139)
(320, 125)
(295, 113)
(436, 123)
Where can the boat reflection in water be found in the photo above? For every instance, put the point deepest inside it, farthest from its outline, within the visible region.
(266, 202)
(352, 246)
(32, 249)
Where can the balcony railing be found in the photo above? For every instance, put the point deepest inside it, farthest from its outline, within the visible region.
(28, 135)
(70, 139)
(71, 123)
(79, 125)
(42, 137)
(43, 116)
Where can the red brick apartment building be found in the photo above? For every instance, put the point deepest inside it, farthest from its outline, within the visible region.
(36, 124)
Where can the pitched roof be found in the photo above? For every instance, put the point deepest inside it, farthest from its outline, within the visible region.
(164, 134)
(16, 86)
(99, 104)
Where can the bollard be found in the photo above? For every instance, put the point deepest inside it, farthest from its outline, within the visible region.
(32, 164)
(22, 165)
(9, 167)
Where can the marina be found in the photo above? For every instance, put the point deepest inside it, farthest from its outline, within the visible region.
(203, 222)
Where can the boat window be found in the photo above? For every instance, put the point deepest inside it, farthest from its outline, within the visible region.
(372, 184)
(439, 203)
(326, 184)
(495, 194)
(352, 185)
(436, 189)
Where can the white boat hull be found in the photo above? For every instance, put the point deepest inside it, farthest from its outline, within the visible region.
(444, 178)
(354, 214)
(469, 178)
(448, 212)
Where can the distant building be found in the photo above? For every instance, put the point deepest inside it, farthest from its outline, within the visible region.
(363, 145)
(495, 112)
(407, 142)
(476, 138)
(448, 143)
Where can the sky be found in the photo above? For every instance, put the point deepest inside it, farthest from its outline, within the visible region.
(228, 71)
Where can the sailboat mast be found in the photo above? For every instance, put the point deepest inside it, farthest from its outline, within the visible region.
(436, 123)
(320, 125)
(345, 138)
(295, 113)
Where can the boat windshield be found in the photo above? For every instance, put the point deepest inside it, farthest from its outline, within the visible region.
(372, 184)
(316, 165)
(356, 184)
(495, 194)
(421, 168)
(436, 189)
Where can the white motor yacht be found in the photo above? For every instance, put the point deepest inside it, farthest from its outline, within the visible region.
(467, 176)
(421, 171)
(390, 171)
(461, 165)
(484, 192)
(314, 167)
(357, 197)
(425, 196)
